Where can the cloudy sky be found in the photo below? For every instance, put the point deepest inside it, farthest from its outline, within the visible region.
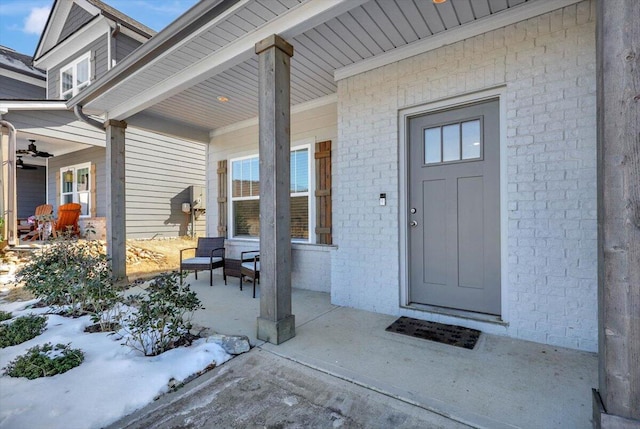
(22, 21)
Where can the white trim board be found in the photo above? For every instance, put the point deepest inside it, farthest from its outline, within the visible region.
(31, 80)
(307, 105)
(76, 43)
(33, 105)
(501, 19)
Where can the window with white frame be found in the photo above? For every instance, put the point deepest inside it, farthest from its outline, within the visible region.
(75, 76)
(75, 186)
(245, 195)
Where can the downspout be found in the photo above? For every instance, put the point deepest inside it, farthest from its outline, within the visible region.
(77, 109)
(113, 45)
(9, 165)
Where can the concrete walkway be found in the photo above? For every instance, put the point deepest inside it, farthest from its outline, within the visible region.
(502, 383)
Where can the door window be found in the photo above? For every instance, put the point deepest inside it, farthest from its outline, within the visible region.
(459, 141)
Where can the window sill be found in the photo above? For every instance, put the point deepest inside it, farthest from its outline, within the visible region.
(295, 245)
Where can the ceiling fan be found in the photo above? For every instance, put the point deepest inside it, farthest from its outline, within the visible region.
(33, 151)
(20, 164)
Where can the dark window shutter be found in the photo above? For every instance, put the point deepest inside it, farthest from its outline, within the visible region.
(323, 192)
(222, 198)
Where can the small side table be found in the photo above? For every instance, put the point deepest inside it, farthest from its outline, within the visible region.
(232, 267)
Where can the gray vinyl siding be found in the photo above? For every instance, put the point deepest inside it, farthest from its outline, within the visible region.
(30, 186)
(76, 19)
(159, 171)
(94, 155)
(124, 45)
(13, 89)
(99, 62)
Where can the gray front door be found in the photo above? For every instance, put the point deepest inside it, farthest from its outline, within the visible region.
(454, 204)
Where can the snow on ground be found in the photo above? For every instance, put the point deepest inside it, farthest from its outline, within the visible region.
(113, 380)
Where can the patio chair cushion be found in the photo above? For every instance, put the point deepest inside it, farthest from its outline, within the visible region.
(201, 260)
(249, 265)
(209, 254)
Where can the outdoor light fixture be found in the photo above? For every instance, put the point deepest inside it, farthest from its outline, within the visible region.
(222, 99)
(68, 176)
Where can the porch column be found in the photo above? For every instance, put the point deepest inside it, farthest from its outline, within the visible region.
(276, 324)
(617, 402)
(116, 213)
(9, 204)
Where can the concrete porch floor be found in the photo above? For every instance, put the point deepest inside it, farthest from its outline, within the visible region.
(502, 383)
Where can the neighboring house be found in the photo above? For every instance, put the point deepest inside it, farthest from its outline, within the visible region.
(83, 40)
(20, 80)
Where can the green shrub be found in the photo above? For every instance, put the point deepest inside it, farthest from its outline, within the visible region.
(45, 361)
(162, 317)
(5, 315)
(75, 275)
(22, 329)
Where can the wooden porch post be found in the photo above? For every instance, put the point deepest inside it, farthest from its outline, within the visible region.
(116, 209)
(276, 324)
(617, 402)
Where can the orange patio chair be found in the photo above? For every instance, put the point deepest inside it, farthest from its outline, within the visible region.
(67, 221)
(36, 228)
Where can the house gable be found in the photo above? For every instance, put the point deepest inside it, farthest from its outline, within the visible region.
(74, 24)
(77, 17)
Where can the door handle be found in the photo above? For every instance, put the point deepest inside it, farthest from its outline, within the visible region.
(413, 223)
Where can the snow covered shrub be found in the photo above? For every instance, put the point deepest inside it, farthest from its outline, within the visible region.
(22, 329)
(73, 275)
(45, 361)
(162, 316)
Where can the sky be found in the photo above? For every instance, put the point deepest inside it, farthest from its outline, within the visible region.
(22, 21)
(112, 381)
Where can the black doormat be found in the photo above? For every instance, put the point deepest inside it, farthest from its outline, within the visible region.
(447, 334)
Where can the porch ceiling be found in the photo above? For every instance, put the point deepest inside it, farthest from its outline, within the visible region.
(347, 34)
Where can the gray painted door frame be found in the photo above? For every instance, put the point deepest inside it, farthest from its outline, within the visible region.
(498, 92)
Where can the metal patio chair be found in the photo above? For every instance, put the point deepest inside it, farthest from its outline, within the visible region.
(209, 255)
(250, 267)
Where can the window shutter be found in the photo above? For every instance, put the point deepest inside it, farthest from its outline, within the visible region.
(323, 192)
(92, 184)
(222, 198)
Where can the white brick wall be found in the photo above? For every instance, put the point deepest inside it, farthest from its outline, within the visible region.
(548, 67)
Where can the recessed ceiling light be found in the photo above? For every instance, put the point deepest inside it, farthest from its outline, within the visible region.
(439, 1)
(222, 99)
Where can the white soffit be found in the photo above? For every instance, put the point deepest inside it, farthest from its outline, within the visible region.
(501, 19)
(290, 23)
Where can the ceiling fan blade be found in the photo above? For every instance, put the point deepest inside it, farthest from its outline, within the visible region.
(43, 154)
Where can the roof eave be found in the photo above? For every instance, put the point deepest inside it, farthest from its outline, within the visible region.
(199, 15)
